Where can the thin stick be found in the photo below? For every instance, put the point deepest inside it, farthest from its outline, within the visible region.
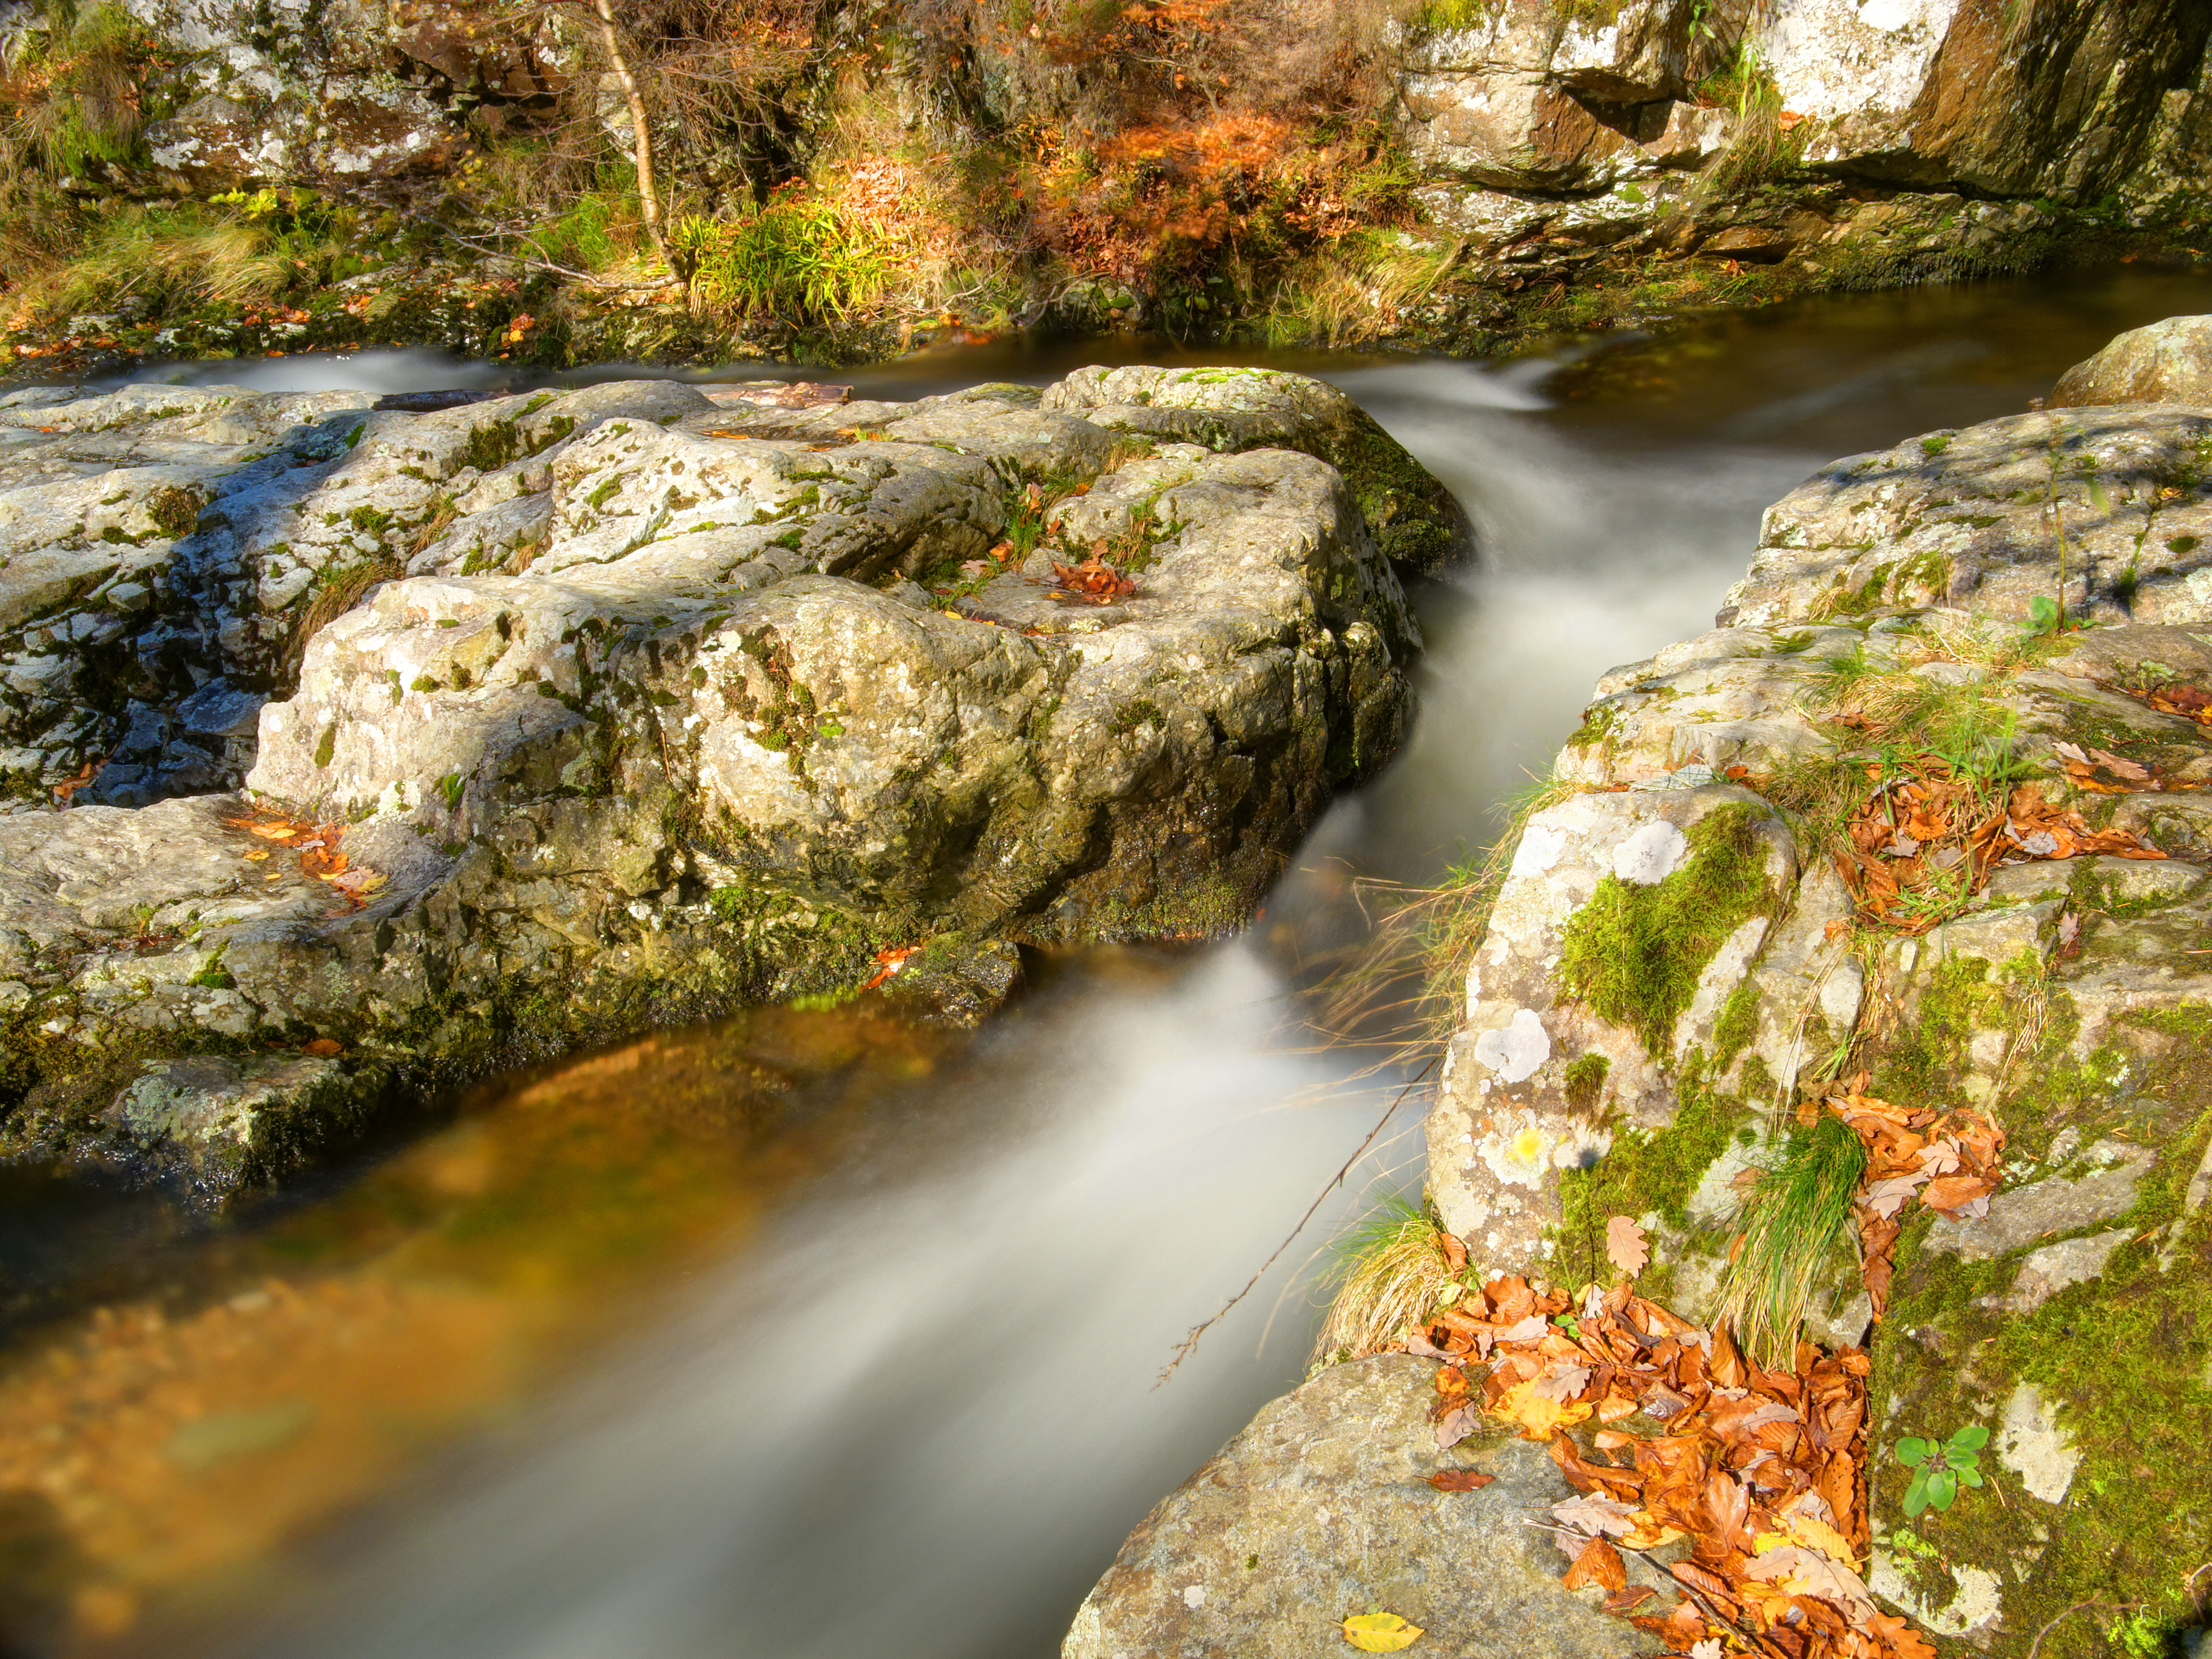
(2036, 1646)
(1188, 1346)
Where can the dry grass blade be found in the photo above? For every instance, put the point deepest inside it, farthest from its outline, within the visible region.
(1392, 1267)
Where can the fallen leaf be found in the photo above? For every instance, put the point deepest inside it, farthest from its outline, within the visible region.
(1539, 1415)
(1628, 1599)
(1598, 1564)
(1595, 1517)
(1801, 1571)
(1626, 1245)
(1460, 1480)
(323, 1048)
(1379, 1632)
(1455, 1426)
(1562, 1383)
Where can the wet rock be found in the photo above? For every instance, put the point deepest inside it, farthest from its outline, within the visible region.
(1321, 1509)
(2167, 363)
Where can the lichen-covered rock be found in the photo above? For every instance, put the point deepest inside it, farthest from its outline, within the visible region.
(2069, 997)
(1624, 922)
(1974, 519)
(2166, 362)
(638, 703)
(1320, 1510)
(1416, 522)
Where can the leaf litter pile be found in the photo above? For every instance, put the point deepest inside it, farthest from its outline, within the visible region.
(317, 845)
(1760, 1472)
(1924, 840)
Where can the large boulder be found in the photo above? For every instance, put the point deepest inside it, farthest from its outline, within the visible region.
(580, 711)
(1321, 1509)
(2064, 990)
(2115, 503)
(2166, 362)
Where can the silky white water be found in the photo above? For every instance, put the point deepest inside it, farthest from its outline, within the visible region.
(914, 1415)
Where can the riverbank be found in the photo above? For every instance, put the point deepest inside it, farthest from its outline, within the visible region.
(828, 184)
(1839, 993)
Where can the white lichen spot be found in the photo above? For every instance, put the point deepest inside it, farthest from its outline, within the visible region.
(2035, 1447)
(1652, 854)
(1516, 1052)
(1523, 1151)
(1193, 1597)
(1540, 849)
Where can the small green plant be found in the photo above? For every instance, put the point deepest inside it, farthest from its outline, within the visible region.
(2046, 615)
(1940, 1467)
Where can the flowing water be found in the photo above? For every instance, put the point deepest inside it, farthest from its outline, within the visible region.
(809, 1333)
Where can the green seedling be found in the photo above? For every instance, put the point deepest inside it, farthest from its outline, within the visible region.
(2045, 616)
(1941, 1467)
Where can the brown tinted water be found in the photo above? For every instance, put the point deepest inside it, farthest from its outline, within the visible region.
(811, 1333)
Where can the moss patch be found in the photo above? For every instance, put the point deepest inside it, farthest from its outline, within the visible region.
(1633, 953)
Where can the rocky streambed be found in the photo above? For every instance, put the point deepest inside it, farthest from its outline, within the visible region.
(1917, 835)
(350, 747)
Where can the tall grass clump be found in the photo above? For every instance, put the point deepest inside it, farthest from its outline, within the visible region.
(1391, 1273)
(799, 258)
(166, 257)
(1796, 1214)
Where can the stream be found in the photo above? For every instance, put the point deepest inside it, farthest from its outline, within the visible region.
(811, 1334)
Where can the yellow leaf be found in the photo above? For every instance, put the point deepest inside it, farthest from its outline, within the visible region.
(258, 856)
(1539, 1416)
(1649, 1534)
(1379, 1632)
(1809, 1531)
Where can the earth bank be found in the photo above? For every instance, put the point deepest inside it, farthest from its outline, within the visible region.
(1445, 175)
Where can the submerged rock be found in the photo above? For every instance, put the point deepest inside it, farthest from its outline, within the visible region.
(624, 704)
(1321, 1509)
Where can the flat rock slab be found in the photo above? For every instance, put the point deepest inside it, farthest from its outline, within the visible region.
(1321, 1509)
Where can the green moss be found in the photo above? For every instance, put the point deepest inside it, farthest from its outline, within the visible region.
(451, 787)
(1600, 721)
(1737, 1025)
(175, 511)
(327, 744)
(1634, 952)
(1649, 1171)
(1141, 712)
(1585, 1082)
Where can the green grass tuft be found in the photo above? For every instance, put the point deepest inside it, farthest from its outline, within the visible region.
(1796, 1215)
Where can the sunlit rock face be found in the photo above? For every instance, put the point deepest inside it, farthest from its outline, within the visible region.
(624, 703)
(2166, 362)
(1620, 1059)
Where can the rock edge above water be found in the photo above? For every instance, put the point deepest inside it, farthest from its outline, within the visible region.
(643, 705)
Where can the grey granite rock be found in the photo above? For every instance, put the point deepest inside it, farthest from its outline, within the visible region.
(1321, 1509)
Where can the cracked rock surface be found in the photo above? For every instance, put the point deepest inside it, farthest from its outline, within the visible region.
(640, 705)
